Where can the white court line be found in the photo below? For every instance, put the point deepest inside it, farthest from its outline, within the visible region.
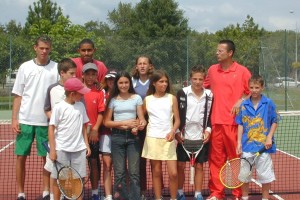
(288, 154)
(270, 191)
(12, 142)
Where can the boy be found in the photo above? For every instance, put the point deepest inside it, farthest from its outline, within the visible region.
(55, 94)
(257, 122)
(94, 102)
(67, 131)
(194, 104)
(28, 118)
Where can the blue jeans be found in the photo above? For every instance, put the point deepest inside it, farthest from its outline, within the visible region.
(125, 145)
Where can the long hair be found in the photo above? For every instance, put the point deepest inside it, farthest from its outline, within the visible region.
(156, 76)
(115, 90)
(135, 73)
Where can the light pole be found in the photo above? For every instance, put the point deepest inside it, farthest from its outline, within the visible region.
(296, 52)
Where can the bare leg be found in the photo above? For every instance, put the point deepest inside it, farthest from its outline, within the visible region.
(172, 170)
(20, 172)
(265, 190)
(107, 165)
(198, 180)
(245, 189)
(156, 177)
(46, 177)
(180, 171)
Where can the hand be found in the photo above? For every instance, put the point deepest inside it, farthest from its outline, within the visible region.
(88, 151)
(134, 131)
(239, 149)
(142, 125)
(268, 143)
(132, 123)
(53, 155)
(206, 137)
(93, 136)
(15, 126)
(99, 86)
(179, 138)
(236, 107)
(170, 137)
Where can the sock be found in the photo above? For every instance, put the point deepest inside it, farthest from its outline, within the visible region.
(51, 196)
(264, 199)
(95, 192)
(22, 195)
(108, 197)
(180, 192)
(196, 193)
(45, 193)
(245, 198)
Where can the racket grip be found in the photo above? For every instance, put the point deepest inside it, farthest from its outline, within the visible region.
(192, 175)
(45, 145)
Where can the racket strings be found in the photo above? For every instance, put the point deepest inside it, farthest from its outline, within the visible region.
(192, 145)
(70, 183)
(229, 174)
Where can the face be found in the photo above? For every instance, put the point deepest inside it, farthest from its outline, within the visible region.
(161, 85)
(143, 65)
(255, 89)
(76, 96)
(42, 50)
(197, 80)
(222, 53)
(90, 77)
(69, 74)
(110, 83)
(123, 84)
(86, 52)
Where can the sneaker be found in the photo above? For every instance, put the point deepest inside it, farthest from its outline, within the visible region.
(199, 197)
(181, 197)
(143, 197)
(21, 198)
(212, 198)
(47, 197)
(95, 197)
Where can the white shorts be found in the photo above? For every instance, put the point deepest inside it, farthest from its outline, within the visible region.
(49, 164)
(105, 144)
(264, 168)
(77, 160)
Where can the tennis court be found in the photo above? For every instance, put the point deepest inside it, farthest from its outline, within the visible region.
(286, 164)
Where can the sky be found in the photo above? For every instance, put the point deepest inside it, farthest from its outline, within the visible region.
(203, 15)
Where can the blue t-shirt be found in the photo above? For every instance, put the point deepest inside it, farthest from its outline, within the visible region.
(141, 88)
(257, 124)
(125, 109)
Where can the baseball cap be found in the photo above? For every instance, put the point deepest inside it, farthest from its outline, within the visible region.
(111, 74)
(75, 85)
(88, 66)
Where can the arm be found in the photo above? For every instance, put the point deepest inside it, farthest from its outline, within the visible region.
(94, 134)
(176, 123)
(269, 141)
(125, 124)
(51, 138)
(86, 140)
(236, 107)
(15, 112)
(239, 139)
(141, 117)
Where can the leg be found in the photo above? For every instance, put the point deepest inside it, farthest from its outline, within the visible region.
(143, 163)
(20, 172)
(56, 191)
(198, 177)
(107, 166)
(245, 189)
(133, 157)
(265, 190)
(180, 171)
(172, 170)
(46, 177)
(156, 177)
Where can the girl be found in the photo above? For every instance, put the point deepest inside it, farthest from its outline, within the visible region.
(124, 106)
(164, 120)
(105, 139)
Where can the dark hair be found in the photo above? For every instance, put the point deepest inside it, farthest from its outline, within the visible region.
(156, 76)
(230, 45)
(43, 38)
(65, 64)
(86, 41)
(198, 69)
(135, 73)
(256, 79)
(115, 91)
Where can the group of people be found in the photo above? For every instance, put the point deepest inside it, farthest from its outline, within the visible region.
(83, 110)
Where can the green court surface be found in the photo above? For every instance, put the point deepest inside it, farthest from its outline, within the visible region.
(5, 114)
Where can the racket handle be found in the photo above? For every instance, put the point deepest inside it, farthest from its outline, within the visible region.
(192, 175)
(45, 145)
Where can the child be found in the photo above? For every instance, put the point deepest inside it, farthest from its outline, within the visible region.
(124, 106)
(140, 78)
(105, 139)
(257, 122)
(164, 120)
(67, 133)
(194, 104)
(94, 103)
(55, 94)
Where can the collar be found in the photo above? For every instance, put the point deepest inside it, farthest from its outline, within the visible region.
(232, 68)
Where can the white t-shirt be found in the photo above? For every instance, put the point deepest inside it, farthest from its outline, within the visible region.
(31, 84)
(68, 120)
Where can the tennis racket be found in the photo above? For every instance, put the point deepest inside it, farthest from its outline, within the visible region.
(88, 165)
(235, 172)
(69, 180)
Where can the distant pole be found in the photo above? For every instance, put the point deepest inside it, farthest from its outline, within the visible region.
(187, 60)
(285, 72)
(296, 50)
(9, 87)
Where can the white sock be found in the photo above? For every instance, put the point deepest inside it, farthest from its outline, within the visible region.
(196, 193)
(180, 192)
(22, 195)
(245, 198)
(95, 192)
(264, 199)
(108, 197)
(45, 193)
(51, 196)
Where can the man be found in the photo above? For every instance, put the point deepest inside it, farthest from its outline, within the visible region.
(28, 117)
(194, 104)
(228, 81)
(86, 49)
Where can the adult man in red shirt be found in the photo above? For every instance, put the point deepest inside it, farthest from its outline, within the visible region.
(228, 81)
(86, 49)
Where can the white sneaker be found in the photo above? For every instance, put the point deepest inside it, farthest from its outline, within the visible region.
(212, 198)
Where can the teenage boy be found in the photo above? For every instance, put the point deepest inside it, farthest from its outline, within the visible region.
(194, 104)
